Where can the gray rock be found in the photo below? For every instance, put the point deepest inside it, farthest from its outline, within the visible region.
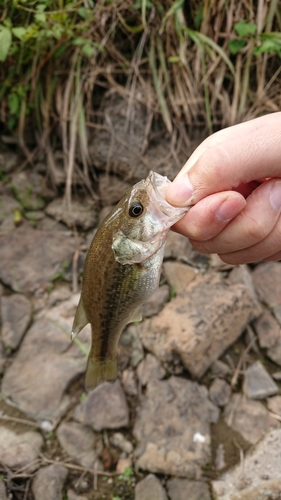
(119, 441)
(258, 477)
(71, 495)
(129, 382)
(178, 276)
(82, 213)
(15, 316)
(149, 368)
(220, 369)
(198, 326)
(220, 392)
(45, 365)
(3, 495)
(20, 450)
(80, 443)
(8, 205)
(173, 427)
(111, 189)
(250, 418)
(177, 246)
(183, 489)
(30, 258)
(150, 488)
(277, 313)
(274, 405)
(104, 408)
(267, 280)
(268, 330)
(258, 384)
(2, 358)
(48, 482)
(28, 187)
(277, 375)
(130, 339)
(274, 353)
(154, 305)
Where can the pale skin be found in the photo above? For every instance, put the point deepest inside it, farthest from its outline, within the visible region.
(233, 179)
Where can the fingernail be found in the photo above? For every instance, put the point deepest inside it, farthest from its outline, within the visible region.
(228, 209)
(180, 192)
(275, 196)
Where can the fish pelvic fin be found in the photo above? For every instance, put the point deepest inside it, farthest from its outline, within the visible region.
(80, 320)
(99, 370)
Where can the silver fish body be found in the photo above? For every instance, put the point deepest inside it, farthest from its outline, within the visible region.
(122, 270)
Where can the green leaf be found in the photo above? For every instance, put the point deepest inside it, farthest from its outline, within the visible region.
(5, 42)
(244, 29)
(268, 46)
(78, 41)
(235, 46)
(14, 104)
(88, 50)
(19, 32)
(40, 18)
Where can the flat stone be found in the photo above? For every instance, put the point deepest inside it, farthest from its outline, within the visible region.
(3, 495)
(150, 488)
(20, 450)
(183, 489)
(129, 382)
(258, 384)
(173, 428)
(104, 408)
(46, 364)
(178, 276)
(196, 327)
(154, 305)
(80, 443)
(119, 441)
(250, 418)
(30, 258)
(274, 405)
(150, 368)
(15, 317)
(268, 330)
(82, 213)
(49, 481)
(220, 392)
(258, 477)
(220, 369)
(267, 281)
(274, 353)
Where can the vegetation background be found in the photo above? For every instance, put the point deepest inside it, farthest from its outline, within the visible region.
(207, 63)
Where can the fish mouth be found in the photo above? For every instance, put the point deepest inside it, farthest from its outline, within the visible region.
(156, 191)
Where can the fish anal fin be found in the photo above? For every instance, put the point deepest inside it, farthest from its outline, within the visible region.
(136, 315)
(99, 371)
(80, 320)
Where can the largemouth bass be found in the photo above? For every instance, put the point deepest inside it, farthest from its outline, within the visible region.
(122, 270)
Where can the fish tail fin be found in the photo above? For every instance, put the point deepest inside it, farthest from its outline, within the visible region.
(80, 319)
(100, 370)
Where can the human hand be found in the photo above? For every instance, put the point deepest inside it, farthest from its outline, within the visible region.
(233, 179)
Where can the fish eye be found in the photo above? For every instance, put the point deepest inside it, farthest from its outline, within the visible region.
(135, 209)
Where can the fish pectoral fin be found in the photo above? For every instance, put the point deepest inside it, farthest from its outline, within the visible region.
(80, 320)
(99, 370)
(136, 315)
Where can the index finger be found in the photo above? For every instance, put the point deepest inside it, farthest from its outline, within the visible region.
(233, 156)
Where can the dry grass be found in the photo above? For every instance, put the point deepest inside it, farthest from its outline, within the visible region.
(172, 56)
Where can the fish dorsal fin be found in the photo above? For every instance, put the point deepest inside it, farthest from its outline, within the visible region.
(80, 319)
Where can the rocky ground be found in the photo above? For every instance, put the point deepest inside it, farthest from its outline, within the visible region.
(196, 410)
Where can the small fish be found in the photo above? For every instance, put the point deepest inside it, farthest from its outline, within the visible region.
(122, 270)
